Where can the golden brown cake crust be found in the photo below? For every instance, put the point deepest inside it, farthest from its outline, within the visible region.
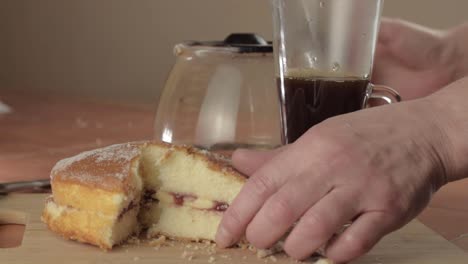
(109, 168)
(106, 168)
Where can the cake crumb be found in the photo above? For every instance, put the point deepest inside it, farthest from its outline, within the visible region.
(273, 258)
(324, 261)
(263, 253)
(252, 248)
(211, 251)
(158, 241)
(211, 259)
(169, 243)
(184, 254)
(134, 241)
(136, 258)
(190, 257)
(244, 246)
(188, 246)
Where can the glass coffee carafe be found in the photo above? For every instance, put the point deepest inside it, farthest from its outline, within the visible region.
(4, 108)
(221, 96)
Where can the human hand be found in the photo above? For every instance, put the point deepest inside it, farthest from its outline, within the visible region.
(377, 167)
(414, 60)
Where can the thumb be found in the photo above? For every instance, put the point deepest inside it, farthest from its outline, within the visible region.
(248, 161)
(411, 44)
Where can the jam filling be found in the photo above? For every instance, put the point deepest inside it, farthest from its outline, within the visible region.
(147, 199)
(220, 207)
(148, 196)
(179, 200)
(127, 209)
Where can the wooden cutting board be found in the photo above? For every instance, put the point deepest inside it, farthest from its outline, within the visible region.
(414, 244)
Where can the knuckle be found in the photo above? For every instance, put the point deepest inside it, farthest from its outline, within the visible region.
(262, 185)
(232, 220)
(356, 246)
(315, 224)
(320, 134)
(279, 211)
(339, 148)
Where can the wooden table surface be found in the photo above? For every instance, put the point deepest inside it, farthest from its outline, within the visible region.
(43, 129)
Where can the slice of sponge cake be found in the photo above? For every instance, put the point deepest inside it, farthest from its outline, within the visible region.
(104, 196)
(96, 195)
(193, 189)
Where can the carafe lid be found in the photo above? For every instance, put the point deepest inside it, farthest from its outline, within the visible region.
(240, 42)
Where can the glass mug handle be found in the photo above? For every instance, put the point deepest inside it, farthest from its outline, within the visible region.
(380, 94)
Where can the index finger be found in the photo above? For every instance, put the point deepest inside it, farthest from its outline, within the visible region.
(249, 161)
(261, 185)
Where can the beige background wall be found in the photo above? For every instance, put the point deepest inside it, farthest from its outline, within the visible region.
(123, 49)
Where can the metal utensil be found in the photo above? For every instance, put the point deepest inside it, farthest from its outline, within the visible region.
(37, 185)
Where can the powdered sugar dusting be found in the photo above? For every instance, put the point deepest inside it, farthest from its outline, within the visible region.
(95, 165)
(122, 152)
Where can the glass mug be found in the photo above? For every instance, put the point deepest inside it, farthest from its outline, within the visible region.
(324, 52)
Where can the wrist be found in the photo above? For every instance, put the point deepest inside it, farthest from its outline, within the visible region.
(449, 108)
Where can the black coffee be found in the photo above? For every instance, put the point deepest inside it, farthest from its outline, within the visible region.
(309, 101)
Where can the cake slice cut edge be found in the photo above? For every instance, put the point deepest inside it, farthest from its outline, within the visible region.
(94, 228)
(184, 223)
(193, 189)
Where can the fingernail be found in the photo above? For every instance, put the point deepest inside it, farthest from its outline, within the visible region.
(223, 238)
